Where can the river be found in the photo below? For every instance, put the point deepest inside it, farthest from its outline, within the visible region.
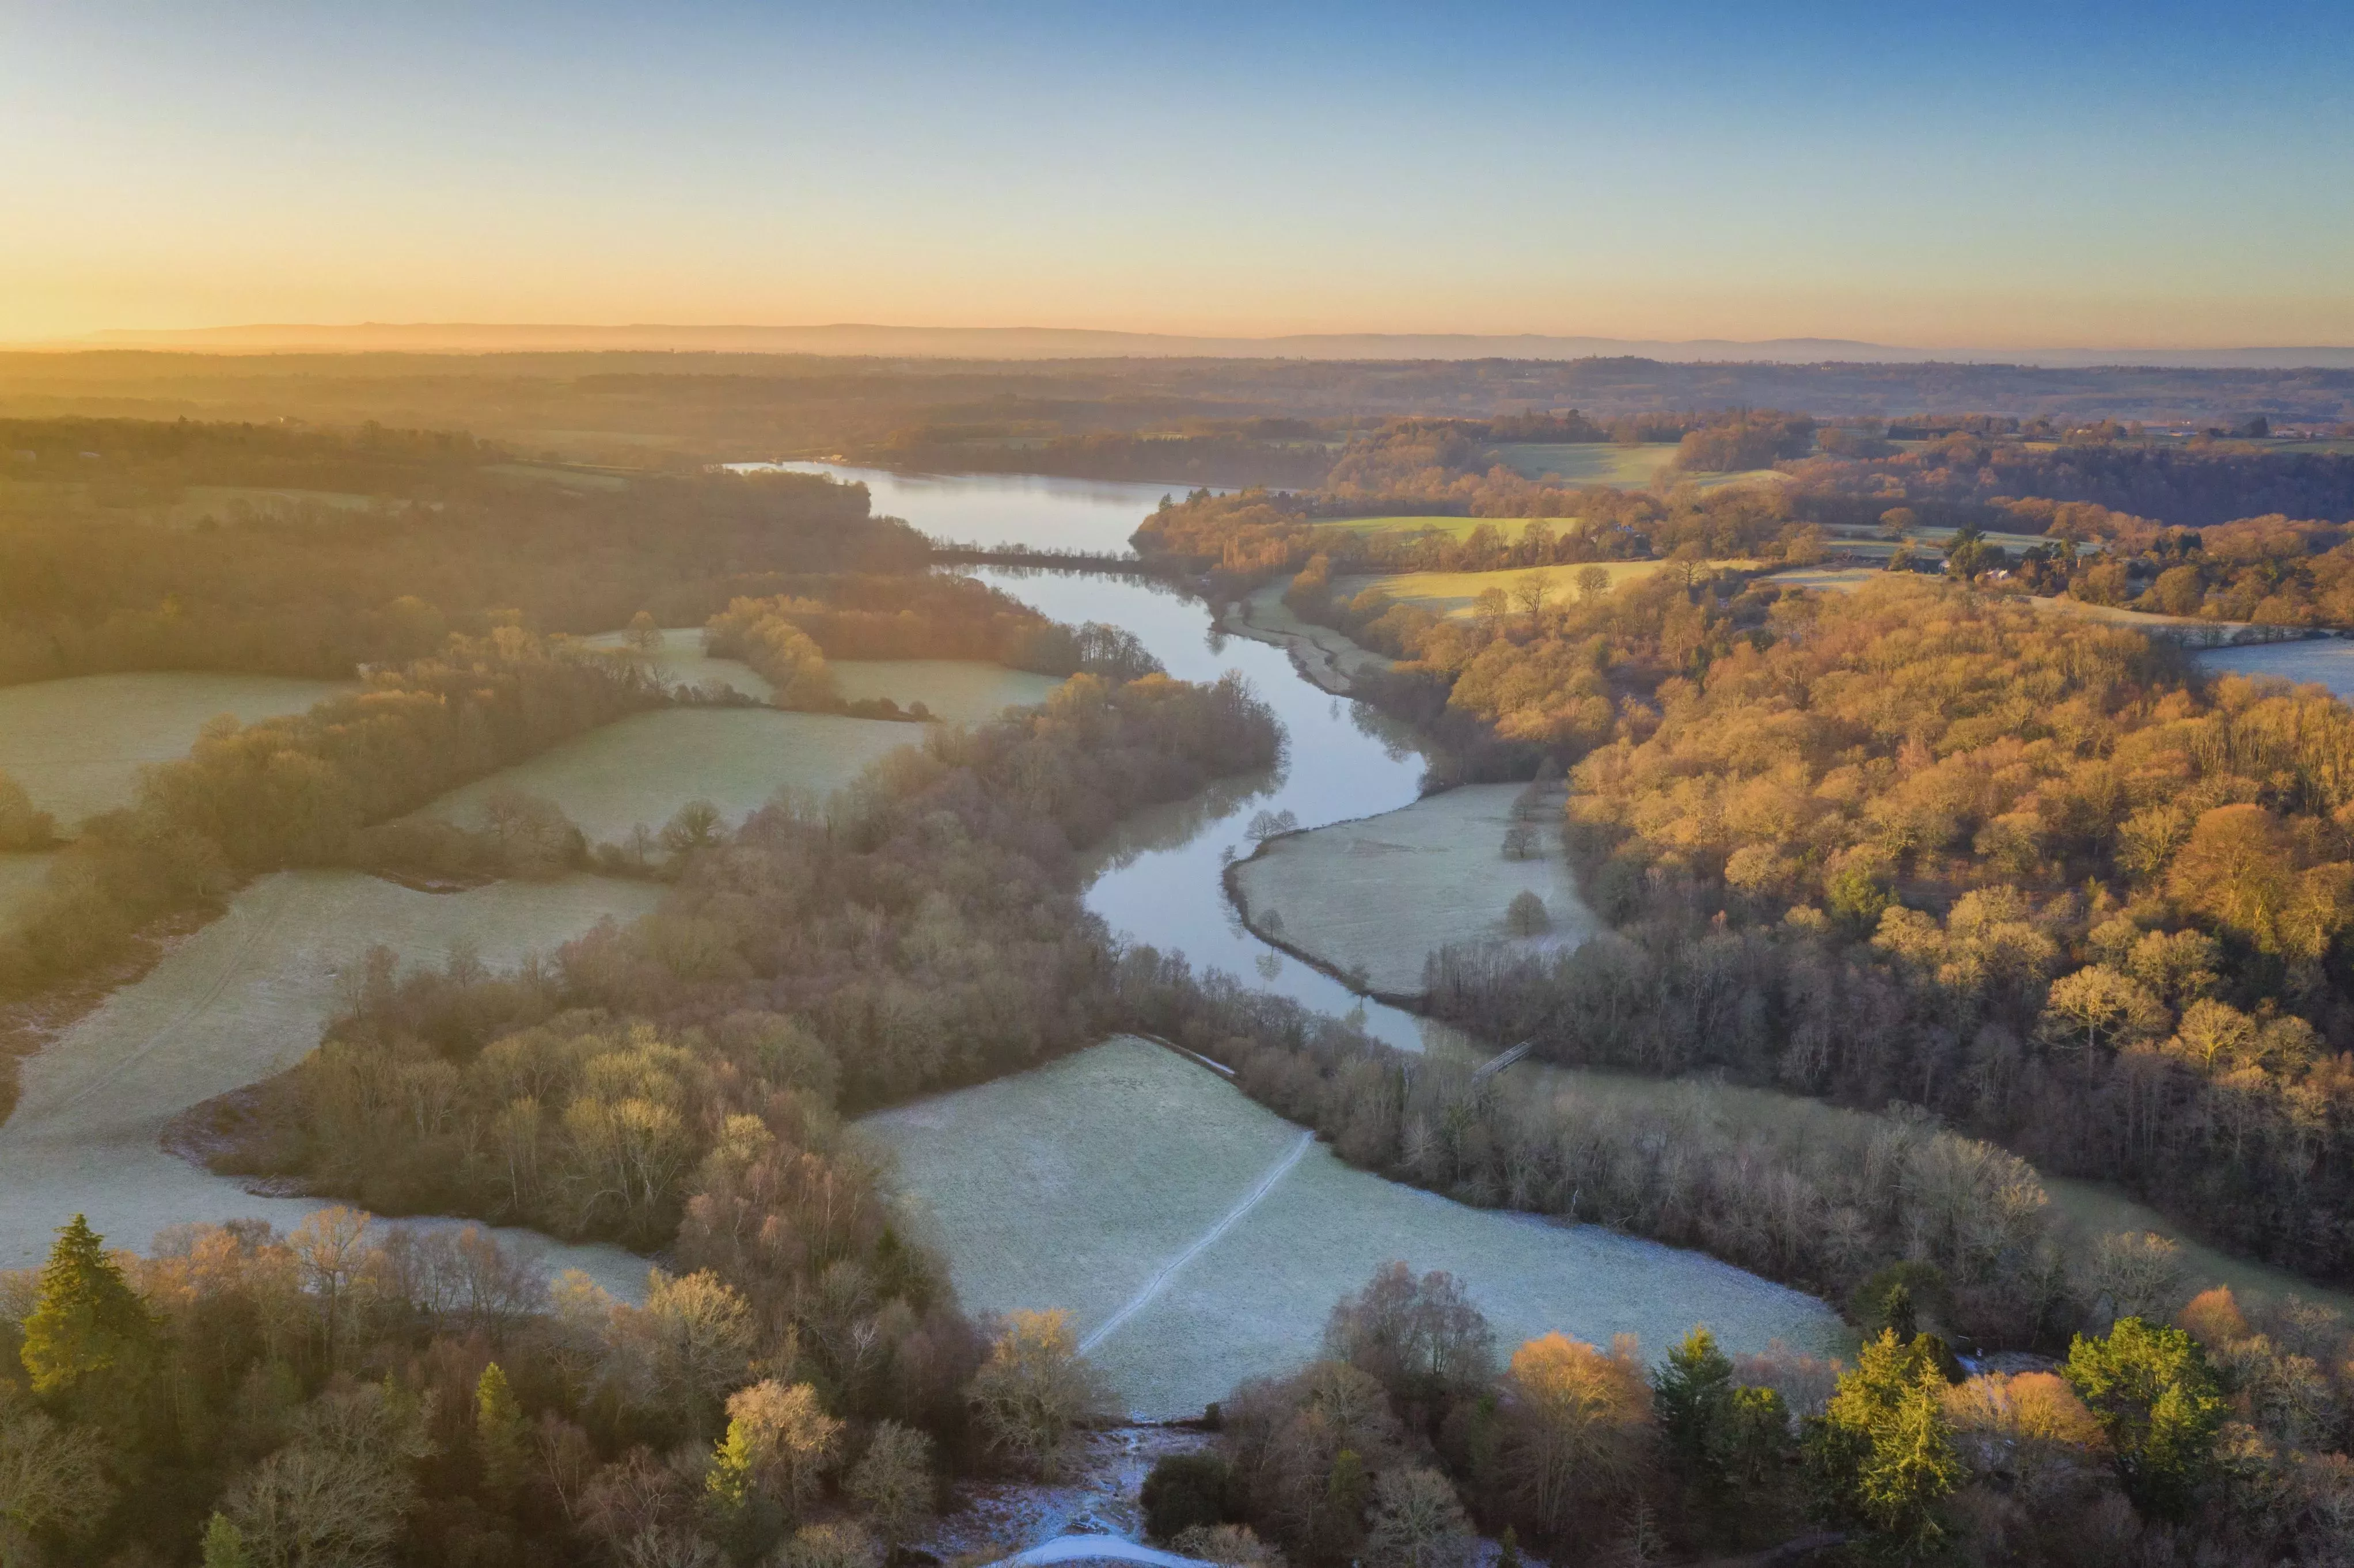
(1160, 879)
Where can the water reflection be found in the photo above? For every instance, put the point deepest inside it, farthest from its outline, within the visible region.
(1035, 510)
(1159, 880)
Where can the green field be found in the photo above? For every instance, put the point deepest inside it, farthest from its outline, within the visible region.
(645, 768)
(1384, 893)
(1453, 527)
(1455, 594)
(961, 691)
(76, 746)
(242, 998)
(1210, 1237)
(1604, 463)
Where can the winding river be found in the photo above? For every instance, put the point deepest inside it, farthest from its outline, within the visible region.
(1159, 881)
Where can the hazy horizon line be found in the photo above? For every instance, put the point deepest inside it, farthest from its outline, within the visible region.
(863, 339)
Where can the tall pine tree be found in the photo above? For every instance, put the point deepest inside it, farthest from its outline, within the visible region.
(88, 1329)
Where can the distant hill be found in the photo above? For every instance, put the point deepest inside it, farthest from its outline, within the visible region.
(1062, 342)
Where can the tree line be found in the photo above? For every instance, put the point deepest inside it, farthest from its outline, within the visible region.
(450, 542)
(2150, 1442)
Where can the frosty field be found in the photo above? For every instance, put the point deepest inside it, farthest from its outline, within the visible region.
(642, 769)
(1331, 659)
(1386, 892)
(77, 745)
(1081, 1184)
(960, 691)
(242, 998)
(679, 661)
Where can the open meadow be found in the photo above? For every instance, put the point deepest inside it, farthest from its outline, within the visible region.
(642, 769)
(1199, 1239)
(1456, 595)
(1377, 896)
(1512, 529)
(244, 997)
(678, 659)
(960, 691)
(77, 745)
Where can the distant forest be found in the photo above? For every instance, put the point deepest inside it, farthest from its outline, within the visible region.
(641, 409)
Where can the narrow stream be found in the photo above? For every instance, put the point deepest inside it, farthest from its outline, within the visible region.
(1160, 880)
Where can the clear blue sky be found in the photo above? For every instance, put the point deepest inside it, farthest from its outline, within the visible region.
(1988, 175)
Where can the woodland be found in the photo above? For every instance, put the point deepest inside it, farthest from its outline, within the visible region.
(2029, 890)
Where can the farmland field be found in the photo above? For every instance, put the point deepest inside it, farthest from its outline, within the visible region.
(241, 999)
(1079, 1185)
(679, 661)
(1453, 594)
(2328, 660)
(1384, 893)
(961, 691)
(645, 768)
(1607, 462)
(1453, 527)
(77, 745)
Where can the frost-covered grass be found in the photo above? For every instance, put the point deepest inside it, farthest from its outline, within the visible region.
(645, 768)
(243, 998)
(961, 691)
(77, 745)
(680, 661)
(1384, 893)
(1073, 1186)
(2328, 660)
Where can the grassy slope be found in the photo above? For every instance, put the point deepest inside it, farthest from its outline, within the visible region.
(1064, 1187)
(645, 768)
(1386, 892)
(1453, 527)
(77, 745)
(242, 998)
(1626, 468)
(960, 691)
(680, 663)
(1452, 594)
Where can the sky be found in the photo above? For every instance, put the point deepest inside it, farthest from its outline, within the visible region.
(2103, 175)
